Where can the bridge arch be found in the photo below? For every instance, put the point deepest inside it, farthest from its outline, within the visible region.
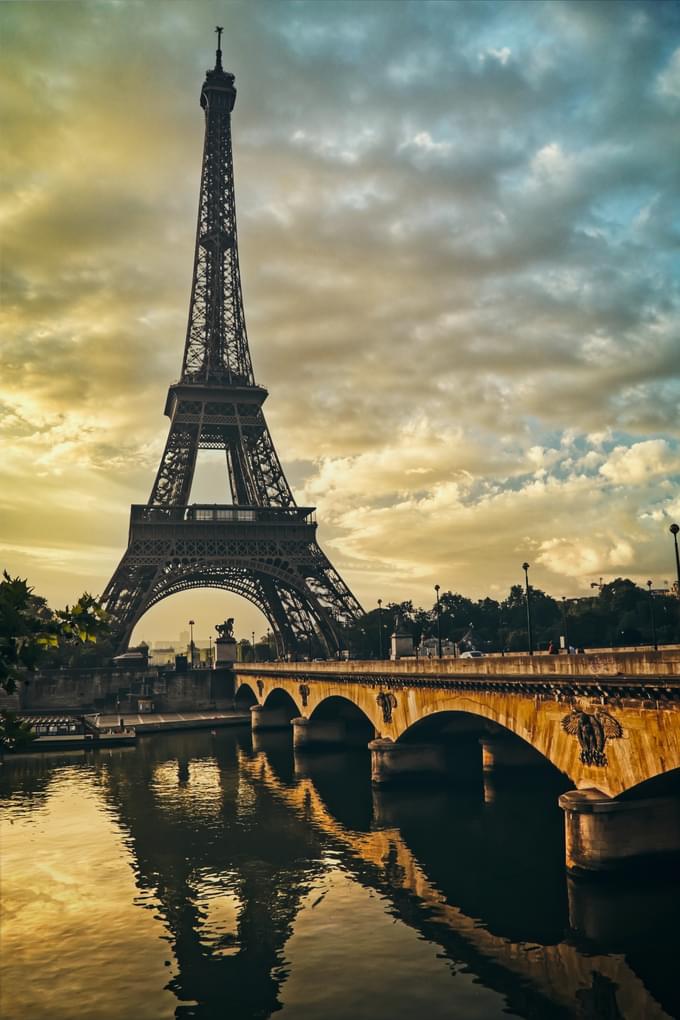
(665, 782)
(337, 707)
(472, 742)
(244, 696)
(445, 722)
(495, 718)
(281, 699)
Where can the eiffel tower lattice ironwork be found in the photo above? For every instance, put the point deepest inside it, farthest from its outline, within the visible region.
(261, 546)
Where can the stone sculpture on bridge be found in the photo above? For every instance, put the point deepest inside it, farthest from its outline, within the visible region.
(226, 629)
(593, 731)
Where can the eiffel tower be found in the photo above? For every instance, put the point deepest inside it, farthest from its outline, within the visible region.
(261, 546)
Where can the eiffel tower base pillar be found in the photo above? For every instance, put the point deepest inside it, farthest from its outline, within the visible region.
(615, 836)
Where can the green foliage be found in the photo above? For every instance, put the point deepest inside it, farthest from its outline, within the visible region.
(26, 630)
(84, 635)
(32, 635)
(620, 614)
(14, 734)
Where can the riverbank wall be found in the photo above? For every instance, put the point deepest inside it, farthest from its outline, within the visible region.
(113, 689)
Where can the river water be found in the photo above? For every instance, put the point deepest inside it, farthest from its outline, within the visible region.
(198, 876)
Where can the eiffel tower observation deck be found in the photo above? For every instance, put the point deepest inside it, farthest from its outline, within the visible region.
(262, 545)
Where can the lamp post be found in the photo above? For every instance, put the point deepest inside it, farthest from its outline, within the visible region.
(252, 634)
(564, 623)
(191, 642)
(674, 529)
(210, 656)
(380, 630)
(525, 568)
(652, 618)
(439, 625)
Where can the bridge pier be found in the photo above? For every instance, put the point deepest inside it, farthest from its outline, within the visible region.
(619, 914)
(394, 805)
(605, 835)
(392, 762)
(275, 740)
(503, 753)
(315, 734)
(262, 718)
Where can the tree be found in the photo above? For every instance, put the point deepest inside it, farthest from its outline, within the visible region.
(30, 633)
(545, 618)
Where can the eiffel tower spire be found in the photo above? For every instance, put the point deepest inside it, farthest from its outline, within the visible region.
(217, 345)
(216, 353)
(261, 545)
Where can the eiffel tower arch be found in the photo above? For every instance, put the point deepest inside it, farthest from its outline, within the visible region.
(261, 546)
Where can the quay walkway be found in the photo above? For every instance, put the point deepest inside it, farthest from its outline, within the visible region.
(158, 722)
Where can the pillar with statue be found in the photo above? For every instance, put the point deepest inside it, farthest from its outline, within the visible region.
(225, 644)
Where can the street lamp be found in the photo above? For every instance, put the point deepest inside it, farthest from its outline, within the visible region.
(191, 642)
(674, 529)
(210, 656)
(252, 634)
(380, 630)
(652, 618)
(525, 568)
(439, 625)
(564, 623)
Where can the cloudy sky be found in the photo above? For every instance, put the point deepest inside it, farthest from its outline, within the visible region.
(460, 245)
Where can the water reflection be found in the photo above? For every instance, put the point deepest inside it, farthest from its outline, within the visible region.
(266, 879)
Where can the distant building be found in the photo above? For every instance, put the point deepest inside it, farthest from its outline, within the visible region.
(429, 648)
(162, 656)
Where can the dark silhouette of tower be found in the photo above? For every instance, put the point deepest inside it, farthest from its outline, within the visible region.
(261, 546)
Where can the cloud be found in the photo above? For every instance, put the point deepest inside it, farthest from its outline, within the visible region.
(636, 464)
(668, 80)
(579, 558)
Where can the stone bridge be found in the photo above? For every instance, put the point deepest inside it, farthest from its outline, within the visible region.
(562, 973)
(609, 723)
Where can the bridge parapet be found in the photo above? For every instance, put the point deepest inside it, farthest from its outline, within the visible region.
(663, 663)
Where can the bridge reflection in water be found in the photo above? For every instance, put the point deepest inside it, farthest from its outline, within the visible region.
(235, 839)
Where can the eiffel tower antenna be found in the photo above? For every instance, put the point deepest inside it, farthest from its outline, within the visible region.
(218, 57)
(261, 545)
